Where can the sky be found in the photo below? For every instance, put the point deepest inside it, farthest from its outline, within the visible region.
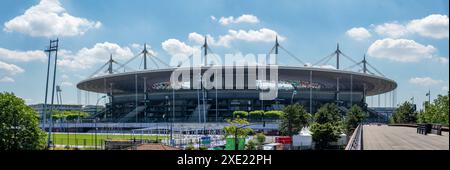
(406, 40)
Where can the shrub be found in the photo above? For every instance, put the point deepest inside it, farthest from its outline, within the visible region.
(240, 114)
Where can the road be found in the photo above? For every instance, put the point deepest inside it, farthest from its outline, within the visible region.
(401, 138)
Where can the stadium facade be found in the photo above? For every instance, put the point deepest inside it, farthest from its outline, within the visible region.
(148, 96)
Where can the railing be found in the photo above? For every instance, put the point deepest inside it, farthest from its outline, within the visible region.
(356, 141)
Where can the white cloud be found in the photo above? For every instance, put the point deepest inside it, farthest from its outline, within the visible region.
(393, 30)
(66, 83)
(87, 57)
(49, 19)
(23, 56)
(213, 18)
(6, 79)
(358, 33)
(424, 81)
(433, 26)
(176, 47)
(10, 69)
(261, 35)
(245, 18)
(445, 88)
(401, 50)
(441, 60)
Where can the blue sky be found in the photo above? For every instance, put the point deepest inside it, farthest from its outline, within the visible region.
(406, 39)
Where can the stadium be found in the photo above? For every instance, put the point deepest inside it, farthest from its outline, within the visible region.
(146, 96)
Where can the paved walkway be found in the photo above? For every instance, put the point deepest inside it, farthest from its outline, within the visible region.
(401, 138)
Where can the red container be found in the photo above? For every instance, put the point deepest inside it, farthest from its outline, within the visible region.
(283, 139)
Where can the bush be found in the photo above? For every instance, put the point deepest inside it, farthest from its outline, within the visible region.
(274, 114)
(256, 114)
(240, 114)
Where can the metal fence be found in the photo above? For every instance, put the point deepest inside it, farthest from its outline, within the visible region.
(356, 141)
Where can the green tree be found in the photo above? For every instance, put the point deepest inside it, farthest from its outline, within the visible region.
(236, 128)
(404, 114)
(353, 118)
(327, 126)
(251, 145)
(260, 139)
(19, 127)
(436, 112)
(294, 118)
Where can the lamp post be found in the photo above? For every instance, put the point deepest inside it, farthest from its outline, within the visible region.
(293, 94)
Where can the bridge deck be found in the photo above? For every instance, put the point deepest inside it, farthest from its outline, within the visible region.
(401, 138)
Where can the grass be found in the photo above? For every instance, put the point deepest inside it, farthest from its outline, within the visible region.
(89, 139)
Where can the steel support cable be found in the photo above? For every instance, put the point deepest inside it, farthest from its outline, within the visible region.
(354, 65)
(98, 70)
(130, 60)
(162, 62)
(292, 55)
(325, 58)
(154, 62)
(375, 69)
(188, 59)
(346, 56)
(122, 66)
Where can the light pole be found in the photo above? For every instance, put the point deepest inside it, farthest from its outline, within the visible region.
(293, 94)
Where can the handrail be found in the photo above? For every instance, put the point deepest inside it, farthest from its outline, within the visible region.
(356, 141)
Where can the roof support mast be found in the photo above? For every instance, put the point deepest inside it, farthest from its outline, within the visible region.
(110, 68)
(276, 49)
(205, 48)
(145, 56)
(337, 56)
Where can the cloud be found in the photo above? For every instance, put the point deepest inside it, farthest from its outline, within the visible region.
(6, 79)
(433, 26)
(66, 83)
(358, 33)
(10, 69)
(213, 18)
(445, 88)
(49, 19)
(23, 56)
(393, 30)
(401, 50)
(424, 81)
(261, 35)
(87, 57)
(176, 47)
(245, 18)
(441, 60)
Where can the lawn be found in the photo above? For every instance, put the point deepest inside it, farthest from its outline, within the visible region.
(89, 139)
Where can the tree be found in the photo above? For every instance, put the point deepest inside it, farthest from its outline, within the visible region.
(251, 145)
(436, 112)
(236, 126)
(19, 127)
(353, 118)
(327, 126)
(404, 114)
(260, 139)
(294, 118)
